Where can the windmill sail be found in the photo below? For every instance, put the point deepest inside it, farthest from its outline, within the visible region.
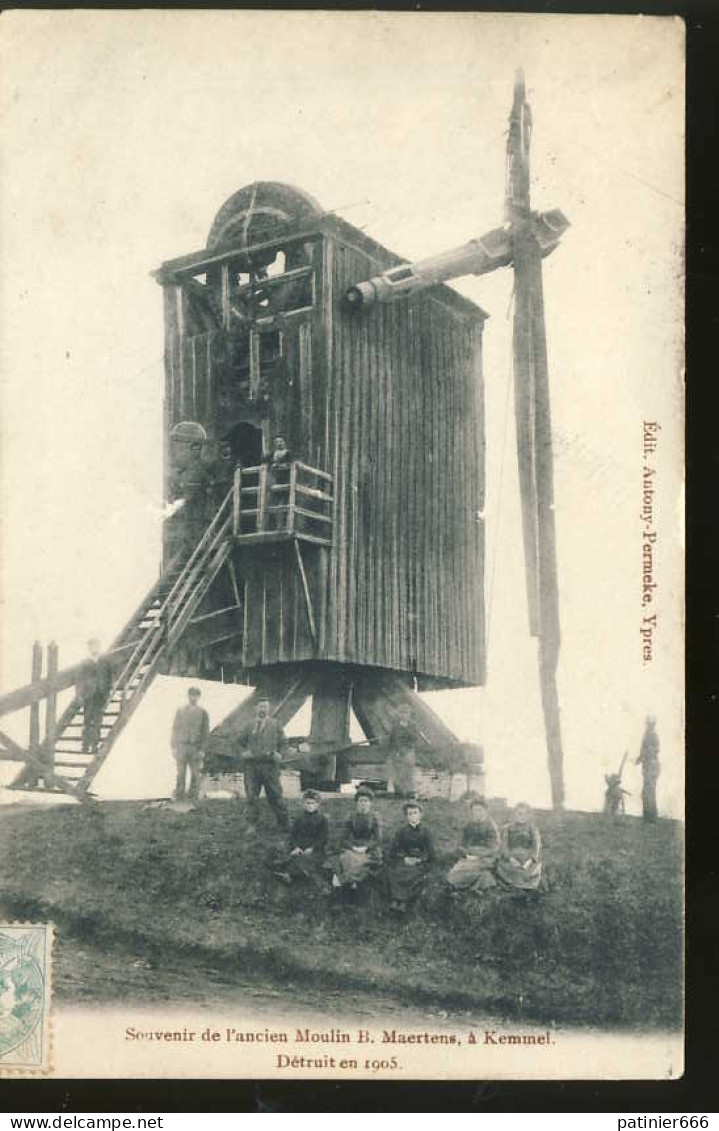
(534, 430)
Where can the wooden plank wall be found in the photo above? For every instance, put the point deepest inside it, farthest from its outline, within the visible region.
(276, 628)
(191, 362)
(405, 419)
(391, 403)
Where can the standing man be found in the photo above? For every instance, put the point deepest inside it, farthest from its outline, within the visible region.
(190, 731)
(277, 475)
(403, 740)
(649, 761)
(262, 743)
(92, 689)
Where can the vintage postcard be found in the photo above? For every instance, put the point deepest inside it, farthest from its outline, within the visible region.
(341, 670)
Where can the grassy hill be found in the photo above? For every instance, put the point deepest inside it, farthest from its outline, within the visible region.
(603, 946)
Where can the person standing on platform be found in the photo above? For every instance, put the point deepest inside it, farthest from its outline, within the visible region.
(190, 732)
(262, 743)
(278, 475)
(92, 689)
(649, 761)
(403, 740)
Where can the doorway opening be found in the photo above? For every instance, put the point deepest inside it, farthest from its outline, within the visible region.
(245, 444)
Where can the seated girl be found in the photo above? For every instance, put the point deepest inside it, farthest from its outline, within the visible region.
(308, 841)
(360, 854)
(410, 856)
(480, 845)
(520, 859)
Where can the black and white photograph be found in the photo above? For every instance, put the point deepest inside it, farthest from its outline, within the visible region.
(341, 481)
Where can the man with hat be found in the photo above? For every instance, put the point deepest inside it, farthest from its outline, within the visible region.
(92, 689)
(262, 743)
(190, 731)
(403, 741)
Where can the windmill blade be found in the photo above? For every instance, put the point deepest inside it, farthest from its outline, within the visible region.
(524, 405)
(534, 427)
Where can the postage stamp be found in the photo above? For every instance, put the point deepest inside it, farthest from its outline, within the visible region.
(25, 993)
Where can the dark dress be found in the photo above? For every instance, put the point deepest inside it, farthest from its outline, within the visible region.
(360, 853)
(309, 830)
(407, 880)
(519, 865)
(480, 842)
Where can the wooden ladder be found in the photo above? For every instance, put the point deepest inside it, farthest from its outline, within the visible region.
(153, 631)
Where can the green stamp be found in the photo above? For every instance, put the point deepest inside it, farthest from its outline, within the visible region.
(25, 986)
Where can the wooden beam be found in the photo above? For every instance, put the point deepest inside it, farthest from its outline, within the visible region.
(262, 499)
(233, 579)
(35, 707)
(214, 627)
(51, 707)
(13, 752)
(40, 689)
(306, 590)
(376, 696)
(255, 368)
(330, 728)
(225, 276)
(290, 523)
(198, 262)
(237, 502)
(286, 691)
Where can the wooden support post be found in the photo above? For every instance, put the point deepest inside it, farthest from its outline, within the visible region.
(292, 497)
(237, 502)
(51, 707)
(233, 579)
(306, 591)
(330, 728)
(225, 274)
(35, 676)
(262, 497)
(254, 365)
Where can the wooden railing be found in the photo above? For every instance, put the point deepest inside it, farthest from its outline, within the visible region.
(282, 499)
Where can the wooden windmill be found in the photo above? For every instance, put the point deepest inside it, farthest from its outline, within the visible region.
(524, 240)
(324, 455)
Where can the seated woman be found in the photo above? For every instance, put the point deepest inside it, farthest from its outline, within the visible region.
(519, 866)
(308, 841)
(480, 845)
(410, 856)
(360, 854)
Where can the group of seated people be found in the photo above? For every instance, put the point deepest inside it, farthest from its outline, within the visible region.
(510, 859)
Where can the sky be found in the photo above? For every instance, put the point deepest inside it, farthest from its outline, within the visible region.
(124, 132)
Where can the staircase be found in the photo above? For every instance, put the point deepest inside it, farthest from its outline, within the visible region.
(150, 635)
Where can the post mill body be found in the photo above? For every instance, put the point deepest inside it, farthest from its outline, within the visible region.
(356, 571)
